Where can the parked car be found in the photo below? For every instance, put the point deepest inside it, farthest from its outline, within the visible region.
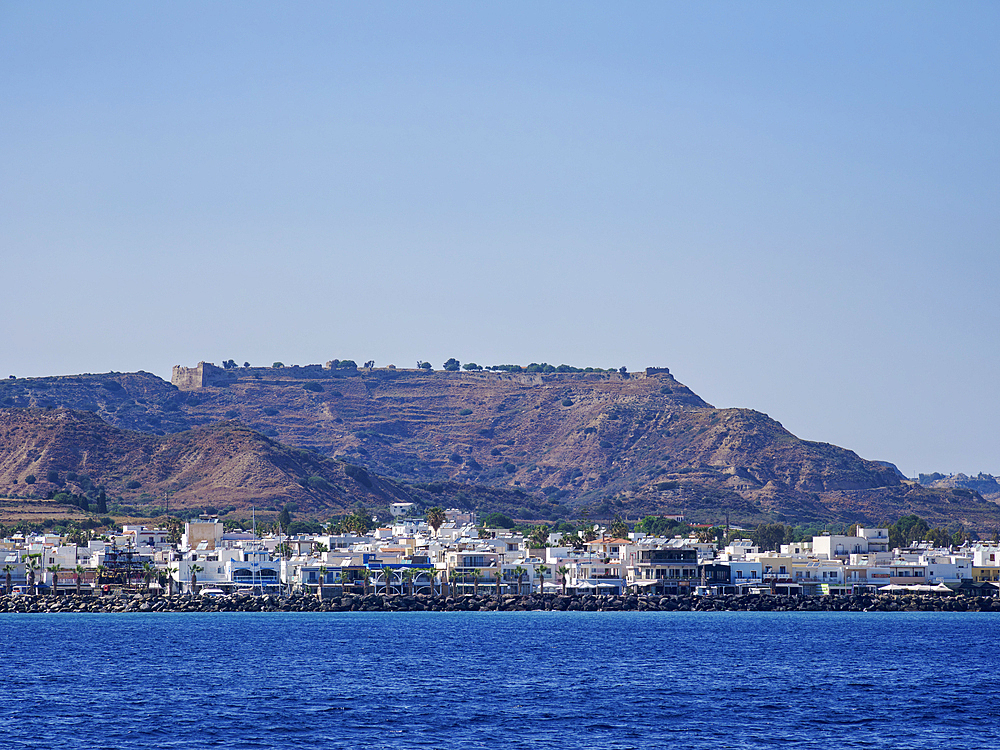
(25, 590)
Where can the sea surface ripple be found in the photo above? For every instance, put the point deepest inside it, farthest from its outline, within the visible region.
(500, 679)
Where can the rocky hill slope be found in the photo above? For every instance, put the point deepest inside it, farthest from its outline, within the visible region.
(544, 446)
(224, 466)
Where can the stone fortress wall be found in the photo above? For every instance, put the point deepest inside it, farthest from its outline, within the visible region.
(206, 374)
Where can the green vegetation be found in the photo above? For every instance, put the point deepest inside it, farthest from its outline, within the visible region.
(465, 412)
(619, 529)
(452, 365)
(305, 527)
(319, 483)
(358, 522)
(312, 386)
(435, 517)
(770, 536)
(358, 474)
(912, 528)
(544, 367)
(435, 488)
(660, 526)
(498, 520)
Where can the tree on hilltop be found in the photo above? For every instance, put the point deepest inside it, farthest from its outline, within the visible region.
(452, 365)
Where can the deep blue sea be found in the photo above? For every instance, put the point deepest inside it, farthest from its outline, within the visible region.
(504, 679)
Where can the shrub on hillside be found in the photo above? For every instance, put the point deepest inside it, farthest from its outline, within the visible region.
(319, 483)
(358, 474)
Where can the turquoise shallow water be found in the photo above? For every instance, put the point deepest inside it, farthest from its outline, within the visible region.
(518, 679)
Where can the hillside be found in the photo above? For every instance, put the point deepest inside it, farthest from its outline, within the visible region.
(538, 446)
(225, 465)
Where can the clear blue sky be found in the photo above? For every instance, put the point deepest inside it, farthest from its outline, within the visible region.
(794, 206)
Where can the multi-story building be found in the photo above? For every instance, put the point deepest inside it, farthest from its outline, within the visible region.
(664, 571)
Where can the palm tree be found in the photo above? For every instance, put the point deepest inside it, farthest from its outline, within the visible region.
(322, 575)
(408, 576)
(365, 577)
(387, 575)
(433, 574)
(564, 572)
(476, 574)
(147, 573)
(499, 579)
(435, 518)
(195, 570)
(101, 570)
(707, 535)
(32, 564)
(519, 574)
(79, 572)
(54, 570)
(540, 571)
(10, 585)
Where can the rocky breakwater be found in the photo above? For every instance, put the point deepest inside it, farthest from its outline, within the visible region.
(151, 603)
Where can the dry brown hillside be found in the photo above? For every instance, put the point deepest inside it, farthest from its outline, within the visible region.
(538, 446)
(226, 465)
